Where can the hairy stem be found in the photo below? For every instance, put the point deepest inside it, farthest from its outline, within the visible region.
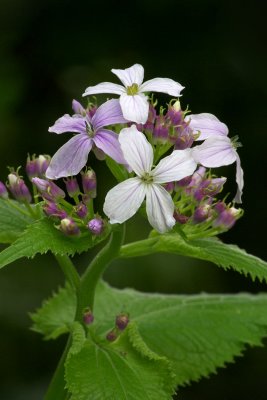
(86, 293)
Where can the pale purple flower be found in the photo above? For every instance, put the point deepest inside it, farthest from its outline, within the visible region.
(133, 101)
(217, 149)
(72, 156)
(206, 125)
(123, 201)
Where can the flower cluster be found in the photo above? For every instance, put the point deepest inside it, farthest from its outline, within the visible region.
(164, 166)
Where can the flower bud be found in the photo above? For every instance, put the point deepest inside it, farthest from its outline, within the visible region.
(169, 186)
(227, 217)
(89, 183)
(96, 226)
(161, 130)
(52, 210)
(112, 335)
(43, 164)
(72, 187)
(48, 189)
(81, 210)
(181, 218)
(69, 227)
(122, 321)
(185, 138)
(78, 108)
(202, 213)
(18, 188)
(88, 317)
(213, 187)
(3, 191)
(36, 167)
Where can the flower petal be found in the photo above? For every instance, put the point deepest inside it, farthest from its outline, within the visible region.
(162, 85)
(159, 208)
(77, 107)
(174, 167)
(136, 149)
(108, 113)
(69, 124)
(207, 124)
(215, 152)
(135, 108)
(124, 200)
(108, 142)
(70, 158)
(104, 87)
(239, 180)
(128, 76)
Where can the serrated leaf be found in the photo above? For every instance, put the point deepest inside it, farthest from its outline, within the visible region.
(118, 370)
(196, 333)
(209, 249)
(41, 237)
(56, 314)
(13, 220)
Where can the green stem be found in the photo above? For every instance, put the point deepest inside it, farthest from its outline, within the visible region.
(86, 293)
(69, 270)
(139, 248)
(56, 389)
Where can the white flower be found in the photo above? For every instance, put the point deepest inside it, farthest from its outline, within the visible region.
(123, 201)
(134, 103)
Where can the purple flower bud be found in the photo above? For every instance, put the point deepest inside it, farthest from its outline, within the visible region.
(96, 226)
(185, 138)
(169, 186)
(88, 317)
(202, 213)
(175, 114)
(3, 191)
(48, 189)
(53, 210)
(227, 218)
(18, 188)
(161, 130)
(43, 164)
(72, 187)
(89, 183)
(183, 182)
(32, 169)
(69, 227)
(81, 210)
(213, 186)
(149, 125)
(112, 335)
(182, 219)
(122, 321)
(78, 108)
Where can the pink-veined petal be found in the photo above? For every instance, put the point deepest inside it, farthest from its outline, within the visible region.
(174, 167)
(215, 152)
(129, 76)
(159, 208)
(69, 124)
(123, 201)
(108, 142)
(239, 180)
(136, 149)
(108, 113)
(162, 85)
(135, 108)
(70, 158)
(104, 87)
(207, 124)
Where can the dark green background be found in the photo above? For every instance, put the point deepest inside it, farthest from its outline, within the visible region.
(50, 52)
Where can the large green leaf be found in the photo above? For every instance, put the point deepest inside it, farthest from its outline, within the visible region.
(197, 333)
(13, 220)
(41, 237)
(210, 249)
(123, 370)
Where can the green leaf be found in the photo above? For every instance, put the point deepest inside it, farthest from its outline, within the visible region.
(56, 314)
(209, 249)
(41, 237)
(122, 370)
(117, 170)
(196, 333)
(13, 220)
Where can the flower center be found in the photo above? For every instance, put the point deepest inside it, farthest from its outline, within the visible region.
(132, 90)
(89, 129)
(147, 178)
(235, 143)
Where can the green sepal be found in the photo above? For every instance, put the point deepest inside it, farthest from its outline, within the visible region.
(119, 171)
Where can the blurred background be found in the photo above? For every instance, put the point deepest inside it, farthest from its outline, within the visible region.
(50, 51)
